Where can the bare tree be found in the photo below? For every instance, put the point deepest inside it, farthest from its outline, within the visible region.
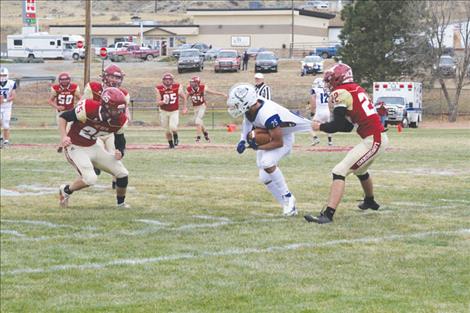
(440, 16)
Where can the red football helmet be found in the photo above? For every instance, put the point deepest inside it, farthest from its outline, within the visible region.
(114, 103)
(337, 75)
(112, 76)
(167, 79)
(64, 79)
(195, 82)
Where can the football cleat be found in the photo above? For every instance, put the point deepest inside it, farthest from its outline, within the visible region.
(369, 205)
(330, 143)
(289, 208)
(63, 197)
(320, 219)
(175, 139)
(198, 139)
(206, 137)
(315, 141)
(123, 206)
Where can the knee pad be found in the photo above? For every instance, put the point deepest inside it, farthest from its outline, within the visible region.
(122, 182)
(340, 177)
(363, 177)
(90, 178)
(264, 177)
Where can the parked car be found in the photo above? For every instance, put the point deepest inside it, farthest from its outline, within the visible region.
(316, 5)
(326, 52)
(122, 45)
(266, 61)
(177, 51)
(446, 66)
(72, 52)
(311, 64)
(252, 52)
(133, 51)
(190, 59)
(202, 47)
(227, 60)
(211, 54)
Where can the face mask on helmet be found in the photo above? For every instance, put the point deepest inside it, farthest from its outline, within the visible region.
(112, 76)
(113, 104)
(338, 75)
(3, 74)
(167, 80)
(194, 82)
(318, 83)
(64, 79)
(241, 98)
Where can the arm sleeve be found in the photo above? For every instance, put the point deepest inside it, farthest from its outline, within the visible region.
(273, 122)
(246, 128)
(339, 123)
(120, 142)
(69, 116)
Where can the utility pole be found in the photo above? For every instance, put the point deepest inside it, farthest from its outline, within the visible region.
(86, 76)
(156, 7)
(291, 52)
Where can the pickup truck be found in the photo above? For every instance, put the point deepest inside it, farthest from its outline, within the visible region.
(115, 47)
(326, 52)
(133, 51)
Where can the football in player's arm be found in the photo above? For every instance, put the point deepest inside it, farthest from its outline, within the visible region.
(261, 113)
(90, 120)
(351, 106)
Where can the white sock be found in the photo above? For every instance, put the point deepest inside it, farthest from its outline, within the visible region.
(280, 182)
(268, 182)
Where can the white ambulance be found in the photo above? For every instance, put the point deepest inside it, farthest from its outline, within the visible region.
(403, 100)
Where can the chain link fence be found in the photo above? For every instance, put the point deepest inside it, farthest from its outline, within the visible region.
(31, 109)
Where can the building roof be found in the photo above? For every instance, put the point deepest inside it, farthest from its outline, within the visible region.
(301, 11)
(125, 25)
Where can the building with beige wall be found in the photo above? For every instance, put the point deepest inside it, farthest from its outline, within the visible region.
(271, 28)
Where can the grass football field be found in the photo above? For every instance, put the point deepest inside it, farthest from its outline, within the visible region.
(203, 235)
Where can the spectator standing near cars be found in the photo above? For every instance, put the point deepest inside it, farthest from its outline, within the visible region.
(246, 57)
(262, 89)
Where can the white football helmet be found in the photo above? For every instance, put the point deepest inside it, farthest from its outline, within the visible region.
(3, 74)
(318, 83)
(241, 98)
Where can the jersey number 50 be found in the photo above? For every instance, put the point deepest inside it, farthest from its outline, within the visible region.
(65, 99)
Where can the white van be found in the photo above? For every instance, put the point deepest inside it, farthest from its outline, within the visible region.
(403, 100)
(36, 45)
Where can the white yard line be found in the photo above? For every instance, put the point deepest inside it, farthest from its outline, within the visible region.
(11, 232)
(31, 222)
(152, 222)
(455, 200)
(210, 217)
(234, 251)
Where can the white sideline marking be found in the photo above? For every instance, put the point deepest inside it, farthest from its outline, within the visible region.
(152, 222)
(191, 226)
(455, 200)
(232, 251)
(210, 217)
(11, 232)
(30, 222)
(36, 170)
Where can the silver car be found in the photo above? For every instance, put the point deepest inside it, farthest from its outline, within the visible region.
(190, 59)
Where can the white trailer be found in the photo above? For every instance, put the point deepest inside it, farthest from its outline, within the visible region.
(403, 100)
(36, 45)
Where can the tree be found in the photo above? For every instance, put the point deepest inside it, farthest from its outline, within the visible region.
(440, 16)
(374, 37)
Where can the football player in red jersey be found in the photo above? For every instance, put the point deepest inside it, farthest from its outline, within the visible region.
(351, 106)
(90, 120)
(196, 92)
(64, 94)
(168, 94)
(112, 76)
